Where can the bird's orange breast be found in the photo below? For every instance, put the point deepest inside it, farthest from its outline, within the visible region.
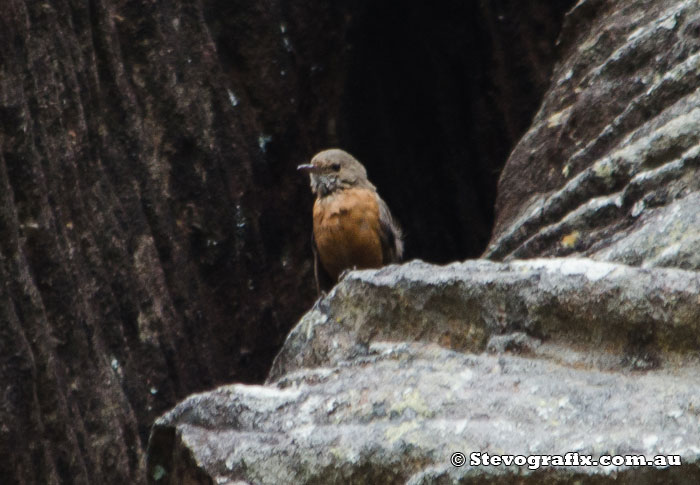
(346, 230)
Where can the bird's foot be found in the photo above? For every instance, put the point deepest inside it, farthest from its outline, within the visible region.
(321, 300)
(345, 273)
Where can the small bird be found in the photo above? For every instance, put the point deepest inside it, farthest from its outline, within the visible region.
(353, 227)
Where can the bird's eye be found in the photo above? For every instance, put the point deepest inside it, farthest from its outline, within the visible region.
(335, 167)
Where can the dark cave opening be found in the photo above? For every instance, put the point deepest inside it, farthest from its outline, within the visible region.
(430, 96)
(436, 97)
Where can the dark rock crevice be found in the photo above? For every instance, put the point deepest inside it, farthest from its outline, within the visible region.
(435, 98)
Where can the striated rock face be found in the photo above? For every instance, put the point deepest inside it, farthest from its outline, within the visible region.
(610, 167)
(130, 195)
(597, 353)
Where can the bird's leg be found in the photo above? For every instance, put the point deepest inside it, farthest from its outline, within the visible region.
(320, 304)
(345, 272)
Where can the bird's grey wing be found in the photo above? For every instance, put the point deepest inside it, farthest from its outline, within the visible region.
(390, 233)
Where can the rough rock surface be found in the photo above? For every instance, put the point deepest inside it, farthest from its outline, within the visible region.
(608, 315)
(397, 414)
(366, 390)
(610, 167)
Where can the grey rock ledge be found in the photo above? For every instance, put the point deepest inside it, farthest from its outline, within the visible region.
(398, 368)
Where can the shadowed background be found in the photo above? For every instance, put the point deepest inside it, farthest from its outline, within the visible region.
(154, 234)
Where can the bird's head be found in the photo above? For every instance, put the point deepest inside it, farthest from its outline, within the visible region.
(335, 169)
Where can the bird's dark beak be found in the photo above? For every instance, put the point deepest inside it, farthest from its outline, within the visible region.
(306, 167)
